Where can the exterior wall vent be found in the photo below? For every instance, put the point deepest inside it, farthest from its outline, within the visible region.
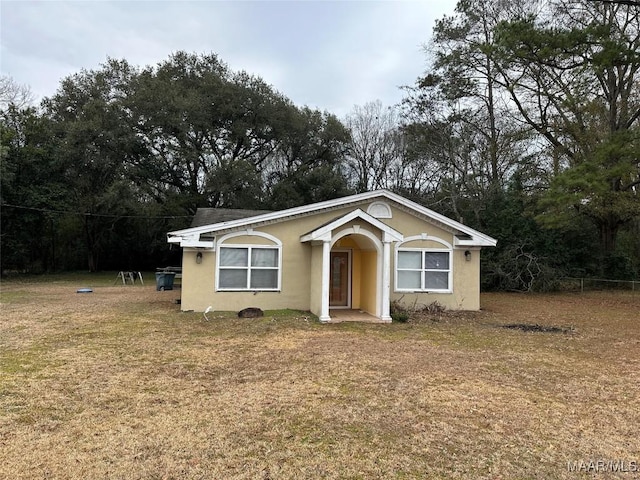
(379, 210)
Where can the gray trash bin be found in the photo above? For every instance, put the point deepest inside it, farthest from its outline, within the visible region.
(164, 280)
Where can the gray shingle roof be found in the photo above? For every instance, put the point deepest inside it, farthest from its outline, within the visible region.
(209, 216)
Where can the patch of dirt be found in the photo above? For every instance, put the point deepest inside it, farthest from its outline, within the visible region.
(528, 327)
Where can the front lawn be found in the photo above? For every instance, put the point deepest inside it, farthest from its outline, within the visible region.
(120, 384)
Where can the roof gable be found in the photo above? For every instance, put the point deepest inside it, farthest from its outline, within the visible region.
(465, 236)
(324, 231)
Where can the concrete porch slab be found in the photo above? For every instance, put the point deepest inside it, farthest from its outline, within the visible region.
(339, 315)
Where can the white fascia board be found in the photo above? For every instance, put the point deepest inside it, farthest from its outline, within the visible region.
(191, 240)
(265, 217)
(324, 232)
(198, 244)
(479, 239)
(474, 242)
(316, 237)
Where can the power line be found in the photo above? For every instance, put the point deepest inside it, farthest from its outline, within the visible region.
(631, 3)
(86, 214)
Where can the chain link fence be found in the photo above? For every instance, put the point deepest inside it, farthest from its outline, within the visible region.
(598, 284)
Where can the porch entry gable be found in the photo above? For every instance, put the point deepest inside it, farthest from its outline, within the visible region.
(323, 239)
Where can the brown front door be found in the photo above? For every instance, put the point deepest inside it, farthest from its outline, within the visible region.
(339, 279)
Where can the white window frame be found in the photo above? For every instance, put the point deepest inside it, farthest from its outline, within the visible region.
(249, 268)
(447, 249)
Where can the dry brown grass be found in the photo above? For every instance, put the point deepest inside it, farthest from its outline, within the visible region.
(119, 384)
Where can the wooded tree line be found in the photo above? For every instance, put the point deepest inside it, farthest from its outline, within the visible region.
(526, 125)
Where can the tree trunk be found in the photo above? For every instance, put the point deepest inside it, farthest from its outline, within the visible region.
(92, 261)
(92, 254)
(608, 233)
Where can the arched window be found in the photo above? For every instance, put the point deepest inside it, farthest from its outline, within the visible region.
(248, 267)
(424, 269)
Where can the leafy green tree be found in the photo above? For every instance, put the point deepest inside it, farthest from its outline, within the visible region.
(545, 93)
(572, 73)
(120, 155)
(306, 166)
(94, 143)
(31, 182)
(208, 131)
(530, 256)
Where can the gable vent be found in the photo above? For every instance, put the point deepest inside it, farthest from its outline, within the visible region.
(379, 210)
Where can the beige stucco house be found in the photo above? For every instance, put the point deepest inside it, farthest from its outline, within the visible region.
(357, 252)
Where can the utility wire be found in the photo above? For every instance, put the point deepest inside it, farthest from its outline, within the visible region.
(631, 3)
(103, 215)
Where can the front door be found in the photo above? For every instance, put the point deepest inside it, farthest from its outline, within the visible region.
(339, 278)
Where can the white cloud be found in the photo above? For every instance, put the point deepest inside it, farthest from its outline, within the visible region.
(328, 55)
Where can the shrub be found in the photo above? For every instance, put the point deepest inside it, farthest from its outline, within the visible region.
(402, 317)
(398, 312)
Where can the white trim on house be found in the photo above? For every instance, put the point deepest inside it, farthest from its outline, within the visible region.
(250, 233)
(326, 261)
(357, 230)
(448, 248)
(276, 245)
(193, 240)
(368, 224)
(324, 232)
(424, 237)
(191, 236)
(383, 263)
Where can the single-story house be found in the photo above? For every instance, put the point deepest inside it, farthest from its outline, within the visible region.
(357, 252)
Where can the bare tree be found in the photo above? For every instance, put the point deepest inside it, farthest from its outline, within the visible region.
(13, 93)
(460, 128)
(375, 147)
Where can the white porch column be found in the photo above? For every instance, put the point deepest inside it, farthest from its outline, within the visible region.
(386, 280)
(326, 260)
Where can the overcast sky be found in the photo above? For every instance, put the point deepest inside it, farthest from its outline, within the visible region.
(327, 55)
